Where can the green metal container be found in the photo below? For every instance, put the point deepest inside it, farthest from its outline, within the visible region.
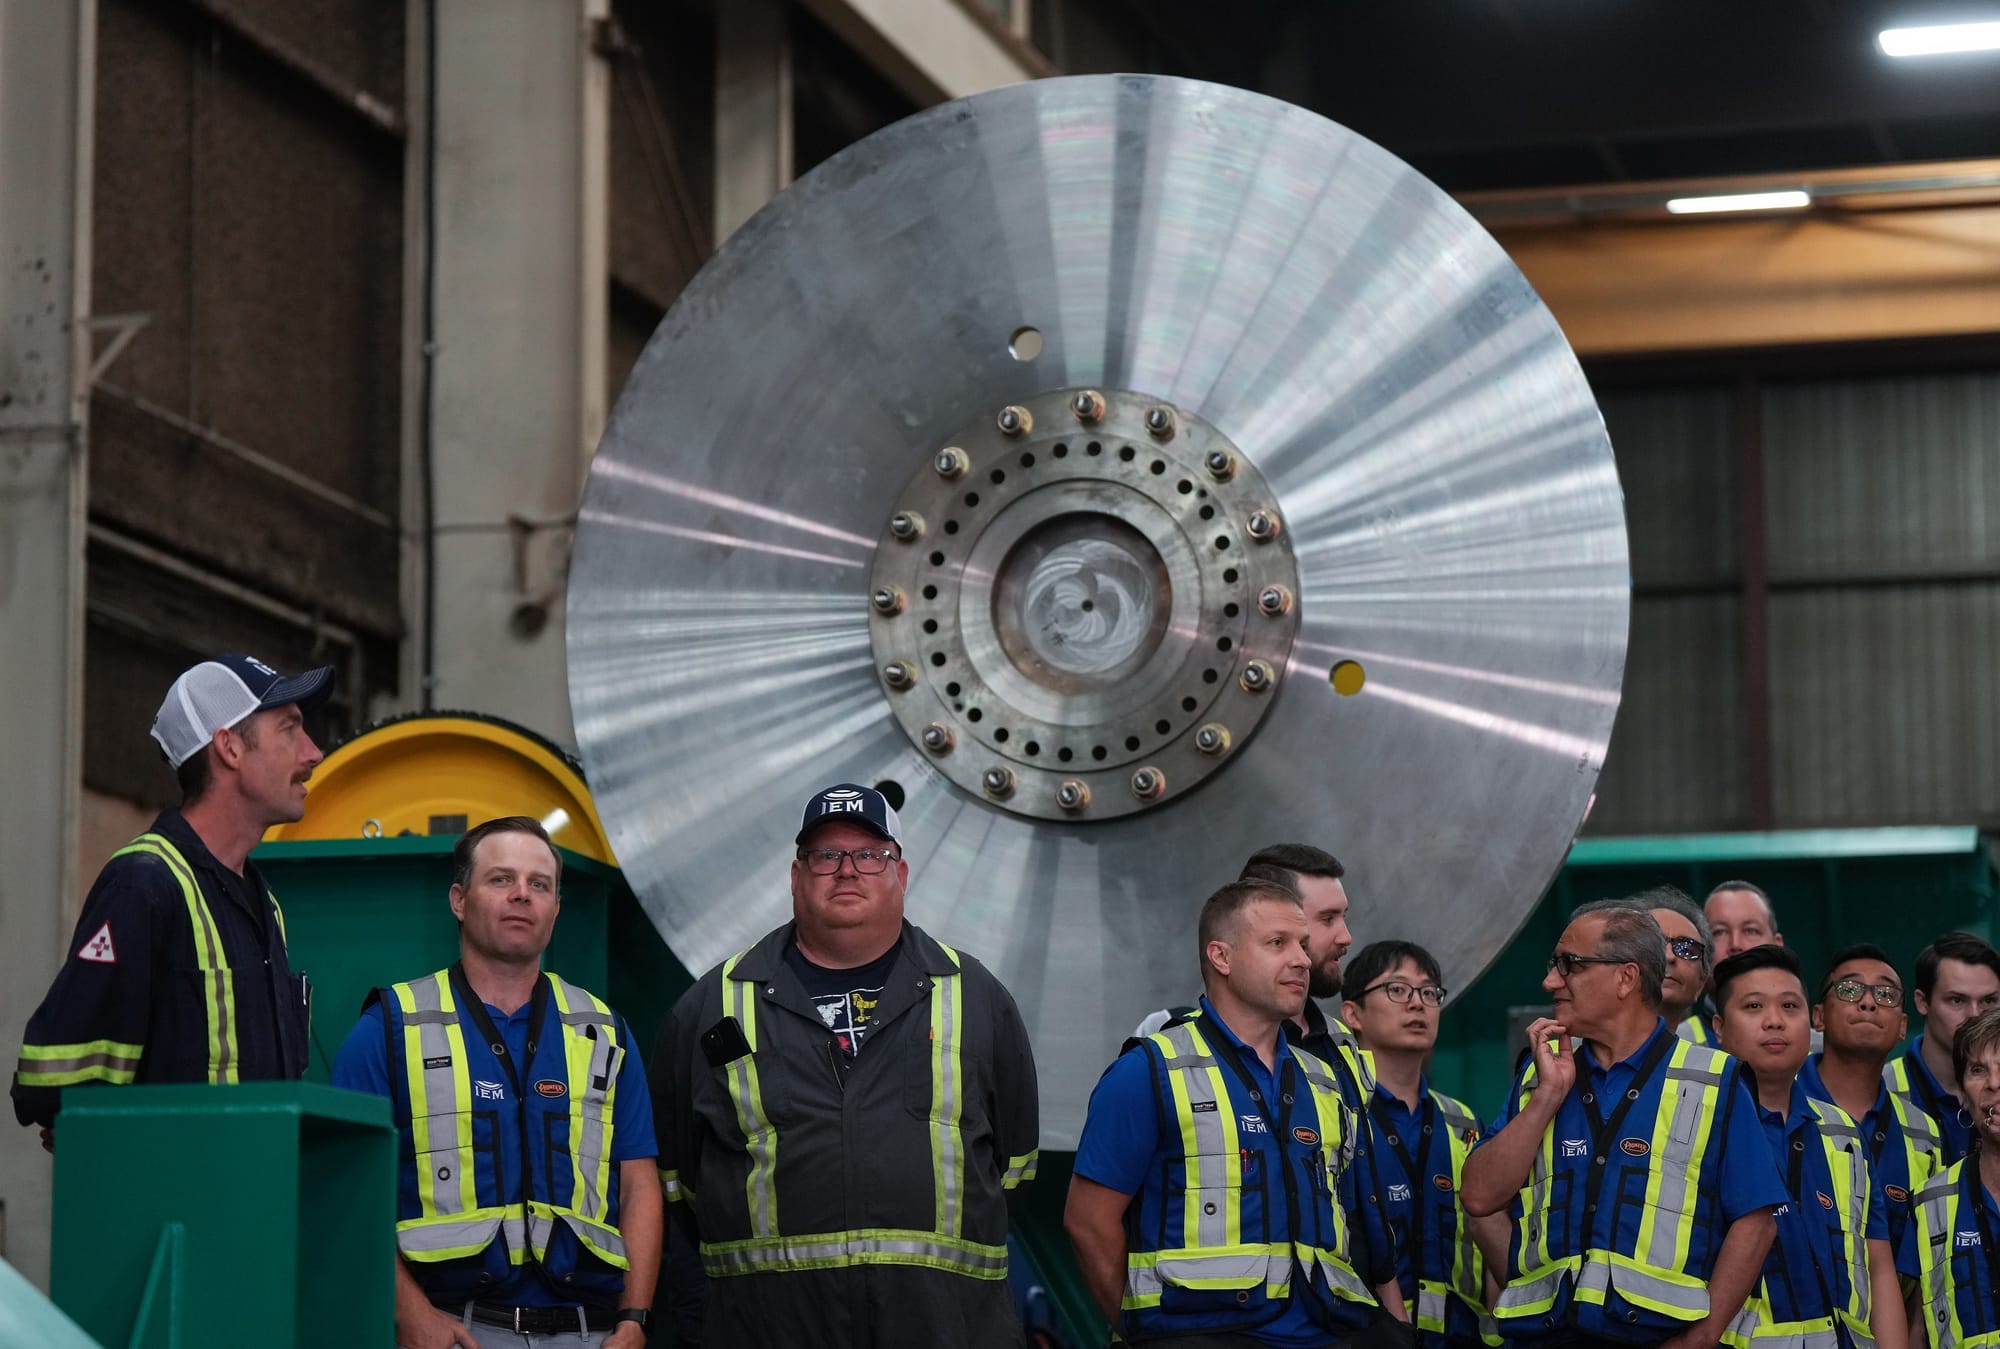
(192, 1215)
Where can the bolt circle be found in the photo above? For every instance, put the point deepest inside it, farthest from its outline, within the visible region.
(1148, 783)
(1221, 465)
(1088, 406)
(998, 781)
(1014, 421)
(907, 526)
(1160, 422)
(887, 599)
(1072, 795)
(1257, 677)
(951, 462)
(937, 737)
(1274, 601)
(1263, 526)
(1212, 738)
(899, 674)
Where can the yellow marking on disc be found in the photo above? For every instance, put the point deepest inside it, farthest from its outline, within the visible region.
(1348, 678)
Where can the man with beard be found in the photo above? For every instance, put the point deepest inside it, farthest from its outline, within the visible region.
(1860, 1013)
(1830, 1276)
(1958, 977)
(1200, 1205)
(1958, 1213)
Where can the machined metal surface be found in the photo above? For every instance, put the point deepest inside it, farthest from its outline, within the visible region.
(1284, 316)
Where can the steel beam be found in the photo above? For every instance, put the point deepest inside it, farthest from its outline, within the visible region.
(753, 110)
(47, 91)
(932, 50)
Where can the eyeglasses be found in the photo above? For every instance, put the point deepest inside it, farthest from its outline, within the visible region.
(1397, 991)
(826, 861)
(1566, 962)
(1850, 990)
(1687, 948)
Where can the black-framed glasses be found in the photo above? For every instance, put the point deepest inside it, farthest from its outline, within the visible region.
(1401, 991)
(1687, 948)
(1850, 990)
(1566, 962)
(867, 861)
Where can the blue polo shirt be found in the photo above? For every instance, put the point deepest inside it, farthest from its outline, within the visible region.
(1953, 1120)
(1127, 1137)
(1737, 1171)
(1805, 1273)
(363, 1065)
(1883, 1136)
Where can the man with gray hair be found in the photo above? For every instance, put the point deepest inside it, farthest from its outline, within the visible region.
(1631, 1162)
(1690, 961)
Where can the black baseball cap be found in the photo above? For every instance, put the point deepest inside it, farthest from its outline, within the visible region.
(847, 803)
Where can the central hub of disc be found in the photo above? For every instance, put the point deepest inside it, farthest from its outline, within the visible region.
(1083, 604)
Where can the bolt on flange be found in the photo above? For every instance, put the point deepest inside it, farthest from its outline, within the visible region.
(937, 738)
(1257, 677)
(1015, 420)
(998, 781)
(907, 526)
(899, 674)
(951, 462)
(1263, 526)
(1148, 783)
(1274, 601)
(1160, 423)
(887, 600)
(1221, 465)
(1212, 738)
(1088, 407)
(1072, 795)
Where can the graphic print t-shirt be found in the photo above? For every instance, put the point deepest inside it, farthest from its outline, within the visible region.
(845, 999)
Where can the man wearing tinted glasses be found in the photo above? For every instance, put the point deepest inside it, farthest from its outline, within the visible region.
(1690, 962)
(1860, 1012)
(846, 1108)
(1631, 1161)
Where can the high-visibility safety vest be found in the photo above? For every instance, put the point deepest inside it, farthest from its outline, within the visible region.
(1956, 1243)
(1847, 1289)
(1647, 1280)
(458, 1223)
(1210, 1239)
(1903, 1155)
(1909, 1080)
(1452, 1307)
(952, 1244)
(1697, 1029)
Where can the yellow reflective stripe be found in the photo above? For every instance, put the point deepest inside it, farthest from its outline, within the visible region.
(673, 1189)
(1937, 1218)
(109, 1061)
(218, 986)
(760, 1140)
(440, 1096)
(1682, 1123)
(862, 1246)
(947, 1104)
(1020, 1170)
(279, 910)
(586, 1059)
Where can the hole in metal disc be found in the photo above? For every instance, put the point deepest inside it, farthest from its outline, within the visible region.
(937, 559)
(1027, 461)
(1222, 644)
(952, 690)
(1159, 467)
(1209, 676)
(1000, 736)
(973, 714)
(1207, 512)
(1163, 727)
(1065, 754)
(937, 657)
(951, 526)
(1032, 748)
(998, 475)
(1128, 454)
(1061, 451)
(1025, 344)
(1229, 576)
(930, 625)
(1131, 742)
(972, 498)
(892, 792)
(1080, 601)
(1183, 487)
(1190, 704)
(930, 592)
(1098, 751)
(1231, 609)
(1348, 677)
(1093, 448)
(1221, 543)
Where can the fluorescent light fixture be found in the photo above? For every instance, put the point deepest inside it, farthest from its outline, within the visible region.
(1741, 201)
(1940, 39)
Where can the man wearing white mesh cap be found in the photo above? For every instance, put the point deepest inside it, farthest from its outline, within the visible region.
(177, 971)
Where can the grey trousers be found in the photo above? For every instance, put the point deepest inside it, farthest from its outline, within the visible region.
(498, 1337)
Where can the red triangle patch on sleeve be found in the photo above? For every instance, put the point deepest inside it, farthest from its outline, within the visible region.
(99, 949)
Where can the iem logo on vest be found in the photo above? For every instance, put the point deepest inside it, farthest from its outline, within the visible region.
(548, 1086)
(489, 1091)
(1967, 1239)
(1575, 1147)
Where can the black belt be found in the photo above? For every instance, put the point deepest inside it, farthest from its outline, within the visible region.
(543, 1320)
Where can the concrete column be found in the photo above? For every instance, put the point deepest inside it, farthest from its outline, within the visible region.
(753, 110)
(47, 91)
(517, 131)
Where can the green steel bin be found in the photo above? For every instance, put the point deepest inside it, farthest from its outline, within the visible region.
(260, 1214)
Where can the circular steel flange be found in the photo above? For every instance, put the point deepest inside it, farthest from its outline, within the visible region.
(1083, 603)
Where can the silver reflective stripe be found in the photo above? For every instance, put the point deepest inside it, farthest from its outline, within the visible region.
(604, 1238)
(1688, 1093)
(1847, 1141)
(589, 1016)
(1936, 1218)
(474, 1233)
(760, 1139)
(1599, 1276)
(440, 1090)
(1744, 1324)
(1431, 1304)
(846, 1248)
(1529, 1292)
(950, 1180)
(1192, 1061)
(579, 1009)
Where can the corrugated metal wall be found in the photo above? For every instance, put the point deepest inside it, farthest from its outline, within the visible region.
(1881, 532)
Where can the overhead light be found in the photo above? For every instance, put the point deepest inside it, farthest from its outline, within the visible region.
(1740, 201)
(1940, 39)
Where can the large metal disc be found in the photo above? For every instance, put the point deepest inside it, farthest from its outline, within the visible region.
(1289, 290)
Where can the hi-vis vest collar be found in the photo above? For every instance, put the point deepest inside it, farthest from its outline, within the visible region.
(770, 1247)
(1214, 1253)
(1949, 1216)
(462, 1209)
(1653, 1275)
(1847, 1165)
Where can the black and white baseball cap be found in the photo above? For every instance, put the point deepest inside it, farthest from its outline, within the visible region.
(848, 804)
(223, 691)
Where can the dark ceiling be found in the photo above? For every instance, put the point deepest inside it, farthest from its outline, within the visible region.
(1483, 94)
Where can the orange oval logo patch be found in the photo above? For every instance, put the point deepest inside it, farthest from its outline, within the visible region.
(1442, 1182)
(1305, 1136)
(1825, 1200)
(1897, 1193)
(1635, 1147)
(548, 1086)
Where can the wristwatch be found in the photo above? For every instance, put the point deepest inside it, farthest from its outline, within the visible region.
(637, 1315)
